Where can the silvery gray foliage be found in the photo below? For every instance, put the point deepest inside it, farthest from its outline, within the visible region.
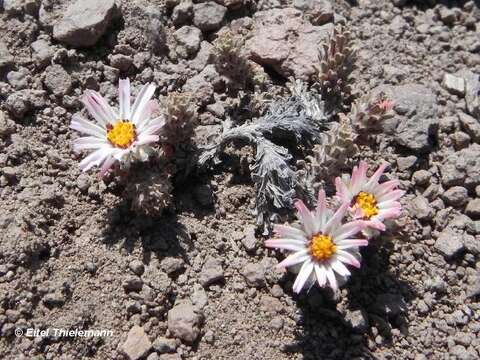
(274, 180)
(296, 119)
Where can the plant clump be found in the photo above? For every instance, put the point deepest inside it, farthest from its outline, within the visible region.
(336, 63)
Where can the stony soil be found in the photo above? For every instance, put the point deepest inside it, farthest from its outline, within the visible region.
(197, 283)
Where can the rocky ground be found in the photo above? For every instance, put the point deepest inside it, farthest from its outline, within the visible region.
(197, 283)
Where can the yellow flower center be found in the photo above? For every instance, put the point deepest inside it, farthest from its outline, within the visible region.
(322, 247)
(367, 203)
(122, 134)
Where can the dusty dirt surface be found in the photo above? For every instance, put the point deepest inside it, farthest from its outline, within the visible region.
(197, 282)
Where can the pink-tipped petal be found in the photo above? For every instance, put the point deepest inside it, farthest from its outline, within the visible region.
(285, 244)
(98, 107)
(386, 187)
(147, 139)
(336, 219)
(348, 258)
(349, 243)
(343, 193)
(303, 275)
(362, 177)
(348, 230)
(106, 166)
(306, 217)
(94, 159)
(375, 177)
(332, 279)
(384, 205)
(294, 259)
(124, 98)
(375, 224)
(88, 143)
(390, 213)
(84, 126)
(141, 102)
(339, 268)
(392, 195)
(289, 232)
(321, 275)
(355, 177)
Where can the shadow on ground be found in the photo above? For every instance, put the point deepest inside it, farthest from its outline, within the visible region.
(372, 304)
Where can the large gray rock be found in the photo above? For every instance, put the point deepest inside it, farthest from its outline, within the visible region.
(212, 272)
(84, 22)
(6, 59)
(208, 16)
(462, 167)
(188, 41)
(455, 196)
(417, 122)
(137, 344)
(282, 39)
(472, 93)
(184, 322)
(454, 84)
(449, 243)
(57, 80)
(254, 274)
(470, 125)
(318, 12)
(42, 52)
(18, 7)
(420, 208)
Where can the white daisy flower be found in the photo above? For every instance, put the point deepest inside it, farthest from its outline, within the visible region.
(117, 136)
(369, 200)
(321, 245)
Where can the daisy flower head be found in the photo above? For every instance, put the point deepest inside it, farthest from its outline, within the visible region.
(121, 136)
(370, 200)
(321, 246)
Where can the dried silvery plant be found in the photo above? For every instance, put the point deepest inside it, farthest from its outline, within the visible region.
(272, 174)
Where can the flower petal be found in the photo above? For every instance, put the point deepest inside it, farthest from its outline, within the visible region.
(339, 268)
(320, 211)
(142, 100)
(294, 259)
(375, 177)
(306, 217)
(124, 98)
(375, 223)
(98, 107)
(106, 166)
(351, 243)
(347, 230)
(343, 193)
(95, 158)
(393, 195)
(331, 278)
(88, 142)
(386, 187)
(84, 126)
(361, 178)
(321, 274)
(303, 275)
(335, 220)
(286, 244)
(347, 258)
(146, 139)
(289, 232)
